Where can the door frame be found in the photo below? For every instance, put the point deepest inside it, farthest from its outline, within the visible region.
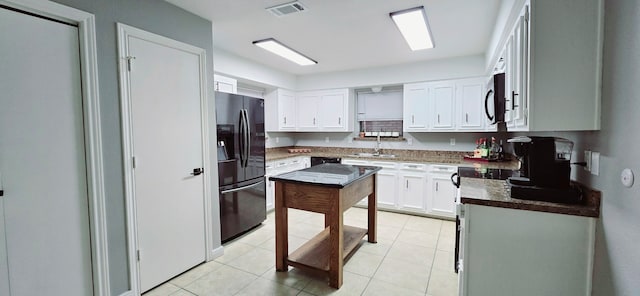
(124, 32)
(92, 128)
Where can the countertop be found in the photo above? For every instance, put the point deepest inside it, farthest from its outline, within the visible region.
(496, 193)
(329, 175)
(402, 155)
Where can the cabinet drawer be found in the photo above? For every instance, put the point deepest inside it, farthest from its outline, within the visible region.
(413, 167)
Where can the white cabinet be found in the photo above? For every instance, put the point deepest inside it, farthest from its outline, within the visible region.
(520, 252)
(442, 95)
(387, 184)
(442, 194)
(324, 110)
(332, 111)
(225, 84)
(445, 106)
(413, 184)
(307, 111)
(554, 66)
(416, 107)
(280, 110)
(470, 100)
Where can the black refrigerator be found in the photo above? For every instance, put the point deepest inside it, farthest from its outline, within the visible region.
(241, 156)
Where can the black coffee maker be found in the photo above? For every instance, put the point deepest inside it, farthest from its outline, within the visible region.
(545, 170)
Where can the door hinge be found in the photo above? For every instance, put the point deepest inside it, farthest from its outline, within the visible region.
(129, 58)
(133, 162)
(138, 255)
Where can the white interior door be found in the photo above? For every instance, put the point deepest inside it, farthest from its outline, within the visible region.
(45, 219)
(167, 143)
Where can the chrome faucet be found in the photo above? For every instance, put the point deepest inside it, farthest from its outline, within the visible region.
(377, 149)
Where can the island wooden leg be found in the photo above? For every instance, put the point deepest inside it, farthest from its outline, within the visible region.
(282, 236)
(336, 243)
(372, 220)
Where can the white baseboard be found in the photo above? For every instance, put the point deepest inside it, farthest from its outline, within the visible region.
(217, 252)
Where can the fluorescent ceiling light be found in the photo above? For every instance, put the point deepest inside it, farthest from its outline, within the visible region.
(413, 25)
(280, 49)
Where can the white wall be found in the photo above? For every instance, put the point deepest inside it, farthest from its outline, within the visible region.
(461, 67)
(250, 72)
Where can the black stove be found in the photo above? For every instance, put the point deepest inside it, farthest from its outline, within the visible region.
(486, 173)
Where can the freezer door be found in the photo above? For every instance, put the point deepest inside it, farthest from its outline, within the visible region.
(256, 153)
(228, 110)
(242, 208)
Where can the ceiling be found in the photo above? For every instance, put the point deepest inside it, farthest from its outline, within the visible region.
(345, 34)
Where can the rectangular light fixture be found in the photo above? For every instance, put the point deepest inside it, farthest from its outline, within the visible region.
(280, 49)
(414, 27)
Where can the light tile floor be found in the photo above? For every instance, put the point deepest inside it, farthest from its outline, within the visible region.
(413, 256)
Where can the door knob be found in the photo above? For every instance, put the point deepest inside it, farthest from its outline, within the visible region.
(197, 171)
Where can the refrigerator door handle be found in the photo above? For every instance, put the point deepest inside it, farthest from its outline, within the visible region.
(241, 188)
(248, 137)
(241, 138)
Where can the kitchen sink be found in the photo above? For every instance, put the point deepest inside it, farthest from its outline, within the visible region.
(364, 154)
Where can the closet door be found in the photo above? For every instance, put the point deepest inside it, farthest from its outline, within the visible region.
(42, 160)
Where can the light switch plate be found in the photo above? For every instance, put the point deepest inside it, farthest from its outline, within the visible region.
(595, 163)
(587, 159)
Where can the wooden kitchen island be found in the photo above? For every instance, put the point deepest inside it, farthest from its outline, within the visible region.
(329, 189)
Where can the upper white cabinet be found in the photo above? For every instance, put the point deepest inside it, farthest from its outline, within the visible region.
(445, 106)
(471, 115)
(280, 110)
(416, 107)
(225, 84)
(443, 98)
(553, 51)
(307, 106)
(307, 111)
(324, 110)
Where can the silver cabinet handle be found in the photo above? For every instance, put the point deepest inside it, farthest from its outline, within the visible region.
(339, 120)
(407, 184)
(437, 186)
(285, 120)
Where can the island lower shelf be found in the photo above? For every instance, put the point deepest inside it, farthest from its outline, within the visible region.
(315, 253)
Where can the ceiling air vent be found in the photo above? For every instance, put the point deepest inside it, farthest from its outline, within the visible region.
(286, 9)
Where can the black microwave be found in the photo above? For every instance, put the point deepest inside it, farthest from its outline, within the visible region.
(494, 101)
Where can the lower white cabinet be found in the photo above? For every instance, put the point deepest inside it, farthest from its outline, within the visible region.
(387, 184)
(413, 185)
(281, 166)
(442, 194)
(520, 252)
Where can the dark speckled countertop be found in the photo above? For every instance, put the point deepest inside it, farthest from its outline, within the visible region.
(328, 175)
(496, 193)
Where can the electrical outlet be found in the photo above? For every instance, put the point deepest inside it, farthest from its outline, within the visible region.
(452, 141)
(326, 139)
(595, 163)
(277, 139)
(587, 159)
(409, 141)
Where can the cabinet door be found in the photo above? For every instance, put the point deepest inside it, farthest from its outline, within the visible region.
(413, 192)
(508, 81)
(307, 106)
(521, 51)
(416, 105)
(386, 189)
(443, 195)
(470, 97)
(332, 112)
(443, 98)
(286, 111)
(225, 84)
